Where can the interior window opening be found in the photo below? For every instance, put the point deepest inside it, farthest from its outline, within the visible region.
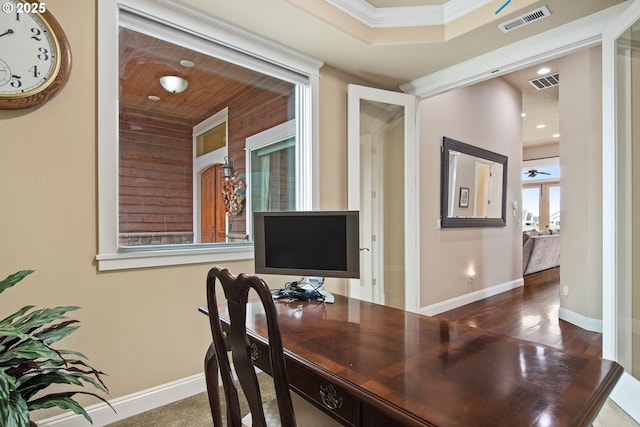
(172, 190)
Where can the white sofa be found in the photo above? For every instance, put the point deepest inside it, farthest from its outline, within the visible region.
(540, 250)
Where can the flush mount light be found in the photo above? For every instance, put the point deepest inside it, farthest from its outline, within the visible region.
(186, 63)
(555, 135)
(541, 126)
(523, 114)
(174, 84)
(543, 70)
(153, 98)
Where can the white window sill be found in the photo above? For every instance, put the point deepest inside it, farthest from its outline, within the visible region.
(164, 257)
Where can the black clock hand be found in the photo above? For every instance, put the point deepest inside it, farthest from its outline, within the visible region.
(9, 31)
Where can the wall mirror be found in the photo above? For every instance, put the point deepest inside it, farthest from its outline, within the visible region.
(473, 186)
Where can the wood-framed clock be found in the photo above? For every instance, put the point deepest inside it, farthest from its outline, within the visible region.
(35, 58)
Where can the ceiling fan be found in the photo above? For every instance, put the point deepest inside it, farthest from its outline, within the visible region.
(531, 173)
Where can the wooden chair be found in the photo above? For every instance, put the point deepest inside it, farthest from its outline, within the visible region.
(279, 411)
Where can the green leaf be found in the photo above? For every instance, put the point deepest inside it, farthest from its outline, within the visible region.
(9, 337)
(56, 332)
(16, 412)
(44, 316)
(27, 350)
(14, 278)
(75, 353)
(39, 382)
(91, 380)
(28, 363)
(21, 312)
(64, 401)
(7, 386)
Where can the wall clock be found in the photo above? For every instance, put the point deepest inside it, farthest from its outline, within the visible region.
(35, 59)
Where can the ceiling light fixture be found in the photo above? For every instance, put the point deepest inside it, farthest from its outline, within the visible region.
(543, 70)
(523, 114)
(541, 126)
(555, 135)
(174, 84)
(186, 63)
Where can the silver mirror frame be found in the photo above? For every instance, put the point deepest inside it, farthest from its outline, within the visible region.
(451, 145)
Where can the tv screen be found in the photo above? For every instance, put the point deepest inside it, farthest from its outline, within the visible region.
(307, 243)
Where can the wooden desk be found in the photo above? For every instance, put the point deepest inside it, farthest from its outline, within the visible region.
(371, 365)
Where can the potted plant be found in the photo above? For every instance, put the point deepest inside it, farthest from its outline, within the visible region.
(29, 364)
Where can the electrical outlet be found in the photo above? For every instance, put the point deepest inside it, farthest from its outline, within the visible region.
(565, 291)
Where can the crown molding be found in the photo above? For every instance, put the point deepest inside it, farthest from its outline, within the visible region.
(560, 41)
(407, 16)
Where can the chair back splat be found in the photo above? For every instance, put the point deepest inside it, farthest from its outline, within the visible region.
(236, 291)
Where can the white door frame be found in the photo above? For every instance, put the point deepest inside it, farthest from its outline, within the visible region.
(411, 182)
(204, 162)
(616, 212)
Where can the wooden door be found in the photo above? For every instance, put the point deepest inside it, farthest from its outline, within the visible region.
(212, 213)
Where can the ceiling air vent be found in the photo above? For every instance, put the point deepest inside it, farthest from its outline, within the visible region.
(546, 81)
(525, 19)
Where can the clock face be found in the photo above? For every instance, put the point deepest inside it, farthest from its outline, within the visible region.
(29, 51)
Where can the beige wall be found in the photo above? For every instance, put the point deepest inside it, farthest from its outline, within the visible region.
(580, 109)
(394, 200)
(486, 115)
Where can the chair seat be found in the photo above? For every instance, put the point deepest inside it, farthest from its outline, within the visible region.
(307, 415)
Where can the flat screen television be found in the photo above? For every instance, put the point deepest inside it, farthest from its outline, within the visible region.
(307, 243)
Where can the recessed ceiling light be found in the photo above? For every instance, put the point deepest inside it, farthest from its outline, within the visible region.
(555, 135)
(153, 98)
(541, 126)
(523, 114)
(543, 70)
(187, 63)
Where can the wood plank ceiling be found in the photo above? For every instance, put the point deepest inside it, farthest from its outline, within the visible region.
(213, 83)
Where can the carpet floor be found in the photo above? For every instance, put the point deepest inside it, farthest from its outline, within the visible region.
(194, 412)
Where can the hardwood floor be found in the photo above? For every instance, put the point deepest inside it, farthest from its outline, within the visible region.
(530, 313)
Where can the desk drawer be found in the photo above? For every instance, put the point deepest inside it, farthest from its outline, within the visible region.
(333, 400)
(373, 418)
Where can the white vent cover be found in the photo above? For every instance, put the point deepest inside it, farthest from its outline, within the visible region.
(546, 81)
(525, 19)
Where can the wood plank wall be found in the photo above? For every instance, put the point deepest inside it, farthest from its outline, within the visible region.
(156, 191)
(260, 107)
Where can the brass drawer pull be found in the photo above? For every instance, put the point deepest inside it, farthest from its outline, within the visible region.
(255, 352)
(330, 397)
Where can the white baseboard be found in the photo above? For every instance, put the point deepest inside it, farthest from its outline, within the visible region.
(584, 322)
(459, 301)
(132, 404)
(625, 394)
